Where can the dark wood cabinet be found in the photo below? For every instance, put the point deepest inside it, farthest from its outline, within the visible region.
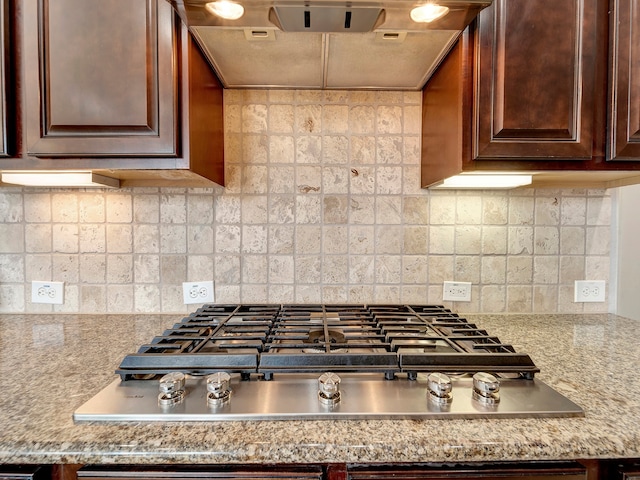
(205, 472)
(536, 83)
(99, 78)
(118, 87)
(525, 89)
(5, 76)
(24, 472)
(485, 471)
(624, 92)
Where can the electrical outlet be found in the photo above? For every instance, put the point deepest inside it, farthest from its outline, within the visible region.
(457, 291)
(197, 292)
(47, 292)
(589, 291)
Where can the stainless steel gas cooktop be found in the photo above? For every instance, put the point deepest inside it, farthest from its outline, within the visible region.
(277, 362)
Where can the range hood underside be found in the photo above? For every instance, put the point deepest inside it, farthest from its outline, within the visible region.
(255, 52)
(321, 60)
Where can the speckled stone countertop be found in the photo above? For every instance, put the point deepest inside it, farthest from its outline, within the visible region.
(51, 364)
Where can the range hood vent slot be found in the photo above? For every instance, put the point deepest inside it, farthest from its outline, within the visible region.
(326, 18)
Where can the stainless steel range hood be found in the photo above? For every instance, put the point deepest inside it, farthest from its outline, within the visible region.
(328, 44)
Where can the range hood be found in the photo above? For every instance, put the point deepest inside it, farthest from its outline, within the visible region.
(328, 44)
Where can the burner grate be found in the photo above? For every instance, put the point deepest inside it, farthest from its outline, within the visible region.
(266, 339)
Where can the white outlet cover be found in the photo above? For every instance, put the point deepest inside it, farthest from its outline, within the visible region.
(47, 292)
(456, 291)
(197, 292)
(589, 291)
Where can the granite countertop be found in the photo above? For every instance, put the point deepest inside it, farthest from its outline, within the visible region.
(51, 364)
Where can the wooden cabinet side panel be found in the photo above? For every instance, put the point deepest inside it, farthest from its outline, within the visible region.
(536, 67)
(624, 141)
(99, 82)
(445, 104)
(204, 127)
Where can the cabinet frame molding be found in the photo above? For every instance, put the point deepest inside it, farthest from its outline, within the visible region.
(624, 90)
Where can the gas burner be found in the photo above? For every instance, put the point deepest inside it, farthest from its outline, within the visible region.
(318, 343)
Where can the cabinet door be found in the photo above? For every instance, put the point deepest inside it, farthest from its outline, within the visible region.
(484, 471)
(200, 472)
(99, 78)
(4, 75)
(624, 114)
(23, 472)
(535, 80)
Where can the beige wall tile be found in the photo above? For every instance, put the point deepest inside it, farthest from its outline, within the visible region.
(322, 204)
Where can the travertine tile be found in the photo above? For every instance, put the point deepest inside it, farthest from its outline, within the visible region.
(254, 118)
(37, 207)
(11, 268)
(415, 269)
(388, 119)
(495, 210)
(255, 149)
(65, 268)
(37, 267)
(64, 207)
(469, 210)
(335, 119)
(335, 239)
(119, 208)
(200, 267)
(200, 239)
(281, 118)
(119, 298)
(146, 269)
(12, 298)
(119, 238)
(37, 238)
(65, 237)
(254, 269)
(119, 269)
(573, 211)
(335, 269)
(416, 240)
(493, 270)
(322, 202)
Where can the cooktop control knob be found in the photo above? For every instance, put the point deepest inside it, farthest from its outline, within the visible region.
(486, 388)
(440, 387)
(218, 388)
(329, 388)
(171, 388)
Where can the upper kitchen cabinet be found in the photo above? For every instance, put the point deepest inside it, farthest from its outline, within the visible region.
(536, 80)
(5, 76)
(525, 90)
(624, 107)
(99, 78)
(118, 87)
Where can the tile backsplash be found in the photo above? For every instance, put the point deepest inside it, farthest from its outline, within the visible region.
(322, 204)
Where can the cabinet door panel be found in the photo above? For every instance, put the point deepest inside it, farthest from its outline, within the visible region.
(477, 472)
(624, 142)
(535, 81)
(4, 76)
(99, 78)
